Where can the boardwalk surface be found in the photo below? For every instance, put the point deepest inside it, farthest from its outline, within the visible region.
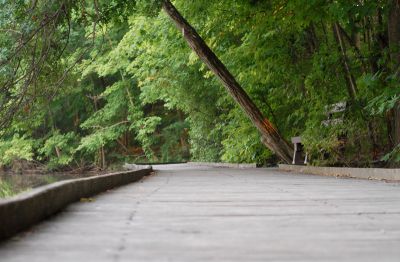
(208, 214)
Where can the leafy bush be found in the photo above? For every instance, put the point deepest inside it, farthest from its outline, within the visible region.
(242, 143)
(146, 128)
(17, 148)
(59, 149)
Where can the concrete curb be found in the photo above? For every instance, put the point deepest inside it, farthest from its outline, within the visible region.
(127, 166)
(364, 173)
(227, 165)
(22, 211)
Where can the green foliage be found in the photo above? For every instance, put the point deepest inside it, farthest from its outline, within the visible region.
(387, 98)
(16, 148)
(106, 123)
(242, 144)
(149, 7)
(59, 149)
(172, 149)
(394, 155)
(135, 91)
(146, 128)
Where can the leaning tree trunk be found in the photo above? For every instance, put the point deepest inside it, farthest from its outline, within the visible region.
(269, 134)
(394, 46)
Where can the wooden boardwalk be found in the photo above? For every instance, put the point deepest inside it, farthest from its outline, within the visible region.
(184, 213)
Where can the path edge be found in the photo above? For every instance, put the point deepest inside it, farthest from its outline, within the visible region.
(222, 165)
(390, 174)
(22, 211)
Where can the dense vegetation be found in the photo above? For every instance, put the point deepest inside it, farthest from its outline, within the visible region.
(105, 81)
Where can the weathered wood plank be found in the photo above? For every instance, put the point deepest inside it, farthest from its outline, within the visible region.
(187, 213)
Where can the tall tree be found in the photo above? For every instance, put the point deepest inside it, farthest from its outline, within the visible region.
(394, 45)
(270, 136)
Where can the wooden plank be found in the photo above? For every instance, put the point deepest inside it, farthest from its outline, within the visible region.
(187, 213)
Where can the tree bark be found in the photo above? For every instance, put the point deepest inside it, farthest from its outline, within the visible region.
(270, 136)
(394, 46)
(351, 83)
(356, 47)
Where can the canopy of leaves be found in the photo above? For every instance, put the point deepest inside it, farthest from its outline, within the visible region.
(111, 81)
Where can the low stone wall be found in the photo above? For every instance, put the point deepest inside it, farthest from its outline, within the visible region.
(211, 164)
(365, 173)
(22, 211)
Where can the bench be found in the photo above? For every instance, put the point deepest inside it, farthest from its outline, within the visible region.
(335, 113)
(298, 152)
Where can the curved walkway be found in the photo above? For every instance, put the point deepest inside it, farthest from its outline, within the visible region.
(187, 213)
